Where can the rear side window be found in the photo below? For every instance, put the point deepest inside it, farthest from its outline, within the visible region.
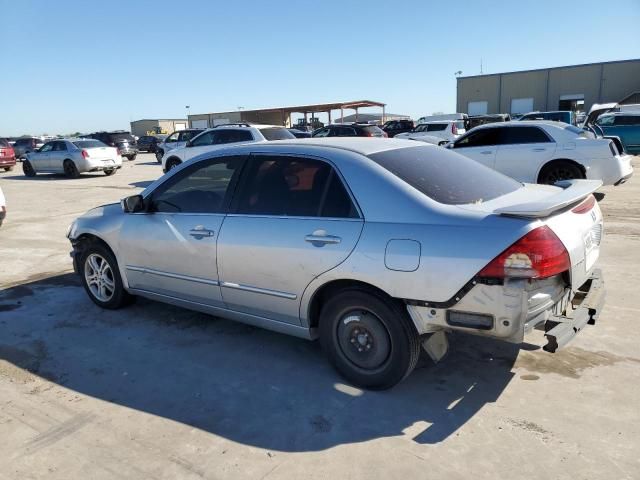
(275, 133)
(436, 127)
(627, 120)
(89, 144)
(232, 136)
(292, 186)
(372, 131)
(436, 173)
(519, 135)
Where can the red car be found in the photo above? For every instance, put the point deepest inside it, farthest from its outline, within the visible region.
(7, 155)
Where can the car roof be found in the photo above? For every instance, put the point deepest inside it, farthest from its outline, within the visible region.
(626, 114)
(528, 123)
(362, 145)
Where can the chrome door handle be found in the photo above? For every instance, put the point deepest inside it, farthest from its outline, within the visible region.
(487, 152)
(199, 233)
(322, 239)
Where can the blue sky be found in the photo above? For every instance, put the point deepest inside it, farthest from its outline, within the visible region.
(87, 65)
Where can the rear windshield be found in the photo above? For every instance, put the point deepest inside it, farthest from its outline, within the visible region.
(445, 176)
(460, 125)
(89, 144)
(276, 133)
(373, 130)
(119, 137)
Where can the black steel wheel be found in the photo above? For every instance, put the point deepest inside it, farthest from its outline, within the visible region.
(70, 169)
(28, 169)
(369, 338)
(557, 171)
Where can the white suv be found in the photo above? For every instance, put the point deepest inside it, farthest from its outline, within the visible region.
(216, 137)
(438, 133)
(545, 152)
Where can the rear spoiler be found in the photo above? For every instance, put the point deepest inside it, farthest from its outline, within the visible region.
(573, 191)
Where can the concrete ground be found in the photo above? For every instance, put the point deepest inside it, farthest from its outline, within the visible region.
(156, 392)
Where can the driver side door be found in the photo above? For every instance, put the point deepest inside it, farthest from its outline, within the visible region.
(171, 248)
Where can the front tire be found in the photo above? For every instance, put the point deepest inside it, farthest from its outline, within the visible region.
(159, 155)
(101, 277)
(560, 170)
(8, 169)
(70, 169)
(28, 169)
(369, 338)
(172, 163)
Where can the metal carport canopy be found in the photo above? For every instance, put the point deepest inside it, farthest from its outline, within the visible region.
(327, 107)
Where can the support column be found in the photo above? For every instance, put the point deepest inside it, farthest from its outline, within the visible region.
(356, 109)
(329, 114)
(341, 115)
(383, 116)
(305, 119)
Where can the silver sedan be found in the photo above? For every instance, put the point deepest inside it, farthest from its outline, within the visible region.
(377, 247)
(72, 157)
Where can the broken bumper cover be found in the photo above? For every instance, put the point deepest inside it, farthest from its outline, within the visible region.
(561, 329)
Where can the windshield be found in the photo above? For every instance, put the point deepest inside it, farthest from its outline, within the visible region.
(436, 173)
(89, 144)
(274, 133)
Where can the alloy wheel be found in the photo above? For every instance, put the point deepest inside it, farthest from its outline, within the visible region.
(99, 277)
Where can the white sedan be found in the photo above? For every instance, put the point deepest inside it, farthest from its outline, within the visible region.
(72, 157)
(545, 152)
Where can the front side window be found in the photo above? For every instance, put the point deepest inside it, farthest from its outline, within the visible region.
(203, 139)
(185, 136)
(520, 135)
(201, 188)
(47, 147)
(292, 186)
(172, 138)
(421, 128)
(479, 138)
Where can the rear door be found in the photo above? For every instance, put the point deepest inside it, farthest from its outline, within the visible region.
(523, 150)
(171, 250)
(480, 145)
(292, 219)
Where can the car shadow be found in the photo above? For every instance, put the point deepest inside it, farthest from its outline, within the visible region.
(141, 184)
(150, 163)
(53, 176)
(242, 383)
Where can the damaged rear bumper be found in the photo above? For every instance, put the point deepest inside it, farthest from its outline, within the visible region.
(585, 310)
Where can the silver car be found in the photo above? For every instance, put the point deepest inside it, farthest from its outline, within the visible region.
(377, 247)
(73, 157)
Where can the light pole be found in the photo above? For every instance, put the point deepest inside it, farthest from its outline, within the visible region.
(187, 107)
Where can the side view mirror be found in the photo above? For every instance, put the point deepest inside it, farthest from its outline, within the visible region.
(132, 204)
(188, 144)
(449, 145)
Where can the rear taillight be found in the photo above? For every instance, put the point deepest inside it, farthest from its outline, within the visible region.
(454, 129)
(539, 254)
(586, 205)
(85, 154)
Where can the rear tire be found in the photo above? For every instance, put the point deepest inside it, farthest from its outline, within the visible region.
(8, 169)
(28, 169)
(159, 155)
(132, 158)
(110, 172)
(369, 338)
(559, 170)
(70, 169)
(101, 277)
